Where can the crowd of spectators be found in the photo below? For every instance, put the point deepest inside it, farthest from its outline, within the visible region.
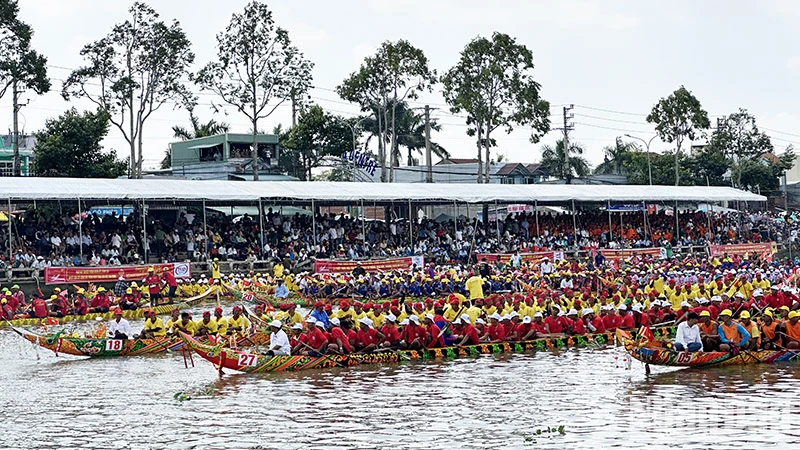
(44, 240)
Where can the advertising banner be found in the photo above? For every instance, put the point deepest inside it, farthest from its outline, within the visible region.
(110, 274)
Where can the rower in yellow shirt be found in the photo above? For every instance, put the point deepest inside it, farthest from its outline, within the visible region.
(237, 323)
(222, 322)
(205, 326)
(153, 326)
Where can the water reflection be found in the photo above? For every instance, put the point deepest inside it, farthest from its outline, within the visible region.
(484, 402)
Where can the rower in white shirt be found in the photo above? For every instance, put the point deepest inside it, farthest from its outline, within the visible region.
(278, 341)
(687, 337)
(119, 328)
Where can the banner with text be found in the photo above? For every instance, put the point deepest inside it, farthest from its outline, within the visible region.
(110, 274)
(763, 249)
(659, 252)
(534, 257)
(385, 265)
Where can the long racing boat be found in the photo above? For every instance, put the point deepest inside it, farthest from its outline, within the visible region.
(655, 353)
(102, 347)
(243, 361)
(127, 314)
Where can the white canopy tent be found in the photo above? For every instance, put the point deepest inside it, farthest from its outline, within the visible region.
(331, 192)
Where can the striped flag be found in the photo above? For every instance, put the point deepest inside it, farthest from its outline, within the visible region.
(646, 333)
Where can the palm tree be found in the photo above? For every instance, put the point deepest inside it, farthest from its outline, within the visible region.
(411, 135)
(565, 165)
(198, 130)
(616, 157)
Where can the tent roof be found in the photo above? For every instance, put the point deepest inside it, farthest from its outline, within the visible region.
(333, 192)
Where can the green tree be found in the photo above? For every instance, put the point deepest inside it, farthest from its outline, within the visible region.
(740, 140)
(198, 130)
(21, 68)
(132, 72)
(398, 72)
(616, 157)
(663, 167)
(707, 166)
(70, 146)
(493, 83)
(762, 174)
(318, 137)
(257, 68)
(676, 118)
(565, 164)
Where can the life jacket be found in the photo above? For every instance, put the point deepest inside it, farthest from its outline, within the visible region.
(770, 330)
(732, 333)
(710, 328)
(793, 331)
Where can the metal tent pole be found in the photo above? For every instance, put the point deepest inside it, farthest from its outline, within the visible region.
(10, 244)
(80, 230)
(410, 227)
(205, 232)
(363, 222)
(574, 224)
(314, 221)
(496, 220)
(261, 228)
(536, 212)
(677, 224)
(644, 221)
(610, 230)
(144, 232)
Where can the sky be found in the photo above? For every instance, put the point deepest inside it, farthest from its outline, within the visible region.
(613, 60)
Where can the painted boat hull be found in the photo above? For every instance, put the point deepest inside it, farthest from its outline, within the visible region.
(118, 347)
(255, 363)
(661, 356)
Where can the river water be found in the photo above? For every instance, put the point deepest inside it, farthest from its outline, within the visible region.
(64, 402)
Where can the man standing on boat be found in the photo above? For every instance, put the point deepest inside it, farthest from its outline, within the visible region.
(687, 337)
(119, 328)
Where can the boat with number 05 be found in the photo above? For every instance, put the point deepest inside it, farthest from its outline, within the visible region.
(655, 353)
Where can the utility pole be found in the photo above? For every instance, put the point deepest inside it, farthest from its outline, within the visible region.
(568, 126)
(429, 176)
(15, 99)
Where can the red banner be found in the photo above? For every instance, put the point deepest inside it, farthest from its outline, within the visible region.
(110, 274)
(631, 252)
(763, 249)
(374, 265)
(527, 257)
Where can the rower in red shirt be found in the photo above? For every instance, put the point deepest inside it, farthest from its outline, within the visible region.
(339, 343)
(434, 333)
(391, 335)
(577, 326)
(468, 333)
(414, 335)
(552, 325)
(38, 307)
(611, 321)
(626, 321)
(171, 282)
(368, 337)
(100, 301)
(496, 330)
(316, 339)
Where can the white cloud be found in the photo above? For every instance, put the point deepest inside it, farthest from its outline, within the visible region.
(793, 64)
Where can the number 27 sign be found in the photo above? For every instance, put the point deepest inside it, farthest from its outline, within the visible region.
(248, 359)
